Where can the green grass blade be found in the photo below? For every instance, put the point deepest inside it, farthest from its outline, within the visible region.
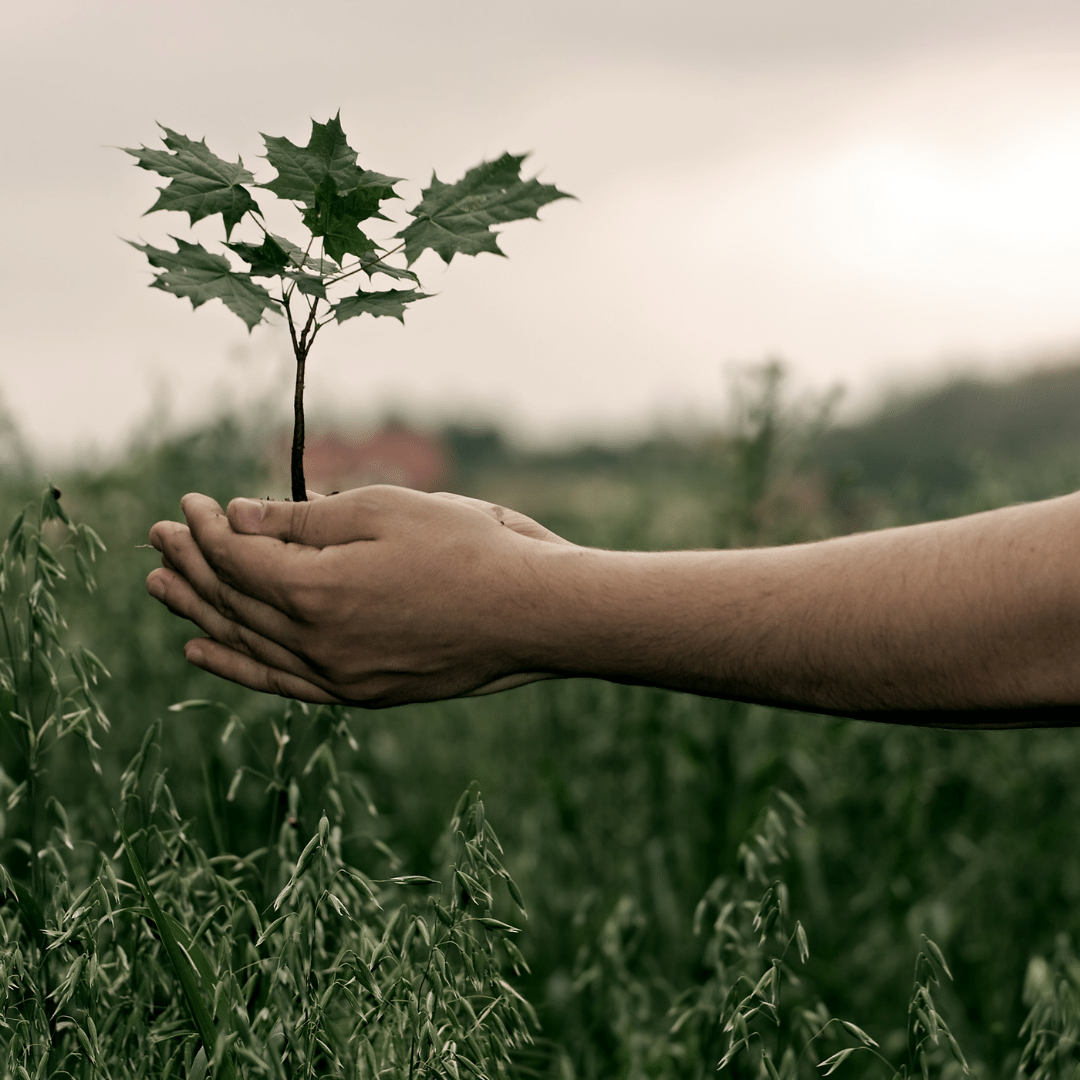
(181, 960)
(193, 950)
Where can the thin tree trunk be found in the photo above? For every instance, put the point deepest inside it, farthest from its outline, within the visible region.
(299, 487)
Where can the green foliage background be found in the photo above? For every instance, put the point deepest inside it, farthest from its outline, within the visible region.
(619, 807)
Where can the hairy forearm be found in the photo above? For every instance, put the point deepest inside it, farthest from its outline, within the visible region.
(949, 622)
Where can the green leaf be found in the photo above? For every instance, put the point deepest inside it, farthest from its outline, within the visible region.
(193, 950)
(390, 302)
(377, 266)
(308, 284)
(321, 265)
(201, 183)
(200, 275)
(371, 179)
(336, 217)
(456, 219)
(267, 259)
(302, 169)
(181, 961)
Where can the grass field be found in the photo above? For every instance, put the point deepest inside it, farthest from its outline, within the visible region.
(622, 812)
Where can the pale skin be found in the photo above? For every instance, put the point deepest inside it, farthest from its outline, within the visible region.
(382, 595)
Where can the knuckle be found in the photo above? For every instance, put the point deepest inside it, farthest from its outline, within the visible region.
(225, 601)
(298, 523)
(277, 682)
(242, 640)
(309, 605)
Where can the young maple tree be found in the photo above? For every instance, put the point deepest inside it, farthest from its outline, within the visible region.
(333, 195)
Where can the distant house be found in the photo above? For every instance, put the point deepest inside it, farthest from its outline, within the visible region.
(394, 455)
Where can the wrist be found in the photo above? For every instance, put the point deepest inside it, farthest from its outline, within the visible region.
(597, 613)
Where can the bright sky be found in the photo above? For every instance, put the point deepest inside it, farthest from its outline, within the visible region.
(870, 190)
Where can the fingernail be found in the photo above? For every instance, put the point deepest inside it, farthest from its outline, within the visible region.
(194, 655)
(248, 514)
(156, 588)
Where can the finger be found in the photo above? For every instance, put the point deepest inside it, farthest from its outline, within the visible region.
(181, 599)
(220, 660)
(158, 532)
(358, 514)
(183, 555)
(331, 519)
(261, 567)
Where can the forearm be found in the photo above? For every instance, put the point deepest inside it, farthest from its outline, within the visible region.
(959, 618)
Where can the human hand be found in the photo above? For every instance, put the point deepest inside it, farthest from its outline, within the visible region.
(374, 596)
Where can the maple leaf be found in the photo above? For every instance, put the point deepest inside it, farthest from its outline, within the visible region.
(375, 265)
(456, 219)
(302, 169)
(201, 184)
(335, 218)
(390, 302)
(267, 259)
(276, 255)
(321, 265)
(308, 284)
(200, 275)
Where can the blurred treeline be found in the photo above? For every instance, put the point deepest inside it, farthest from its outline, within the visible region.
(618, 806)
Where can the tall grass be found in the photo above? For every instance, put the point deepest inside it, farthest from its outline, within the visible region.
(619, 809)
(285, 961)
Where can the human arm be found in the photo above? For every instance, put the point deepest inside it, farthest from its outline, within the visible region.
(968, 622)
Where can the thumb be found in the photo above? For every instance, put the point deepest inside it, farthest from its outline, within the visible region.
(319, 522)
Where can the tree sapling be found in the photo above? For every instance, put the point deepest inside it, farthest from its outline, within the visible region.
(333, 194)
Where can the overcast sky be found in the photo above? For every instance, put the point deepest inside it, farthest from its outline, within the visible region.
(870, 190)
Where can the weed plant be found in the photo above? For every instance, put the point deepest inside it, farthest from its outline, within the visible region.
(620, 808)
(194, 967)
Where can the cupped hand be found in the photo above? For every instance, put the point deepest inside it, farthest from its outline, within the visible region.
(374, 596)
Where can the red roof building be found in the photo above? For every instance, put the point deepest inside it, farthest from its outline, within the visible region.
(394, 455)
